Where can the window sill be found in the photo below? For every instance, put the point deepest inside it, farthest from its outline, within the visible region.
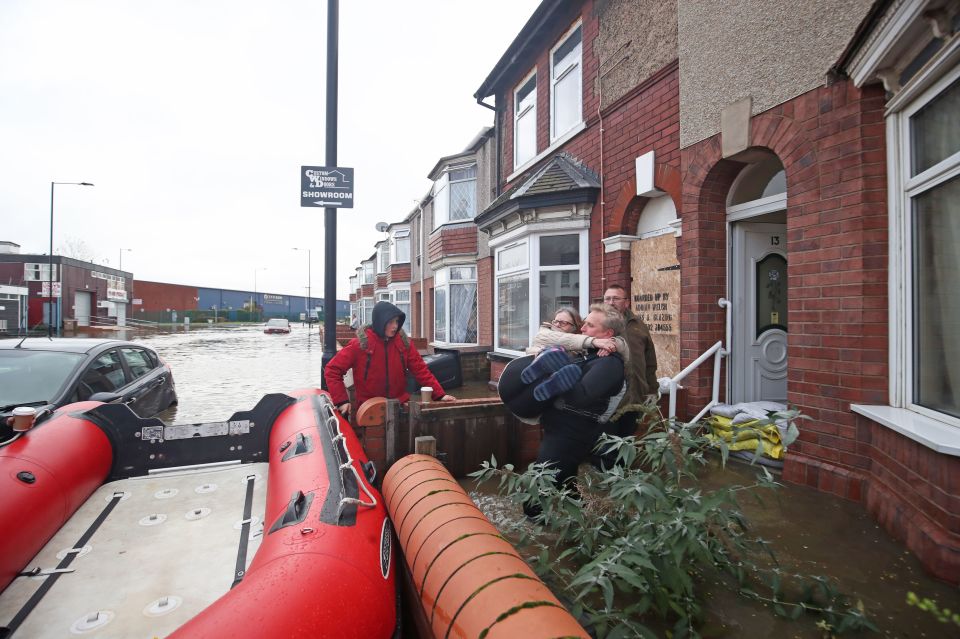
(453, 223)
(931, 433)
(563, 139)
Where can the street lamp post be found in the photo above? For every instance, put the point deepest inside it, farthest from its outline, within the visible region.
(50, 263)
(253, 300)
(309, 305)
(120, 262)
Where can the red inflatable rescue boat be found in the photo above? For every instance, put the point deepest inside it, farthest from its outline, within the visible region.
(265, 525)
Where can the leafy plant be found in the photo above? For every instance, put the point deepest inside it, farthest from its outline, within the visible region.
(638, 540)
(943, 615)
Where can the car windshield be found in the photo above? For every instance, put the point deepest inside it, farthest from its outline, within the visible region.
(278, 322)
(34, 376)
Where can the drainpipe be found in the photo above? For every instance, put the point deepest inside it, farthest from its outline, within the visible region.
(496, 131)
(423, 261)
(603, 213)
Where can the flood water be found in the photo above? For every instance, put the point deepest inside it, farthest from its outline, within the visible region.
(221, 370)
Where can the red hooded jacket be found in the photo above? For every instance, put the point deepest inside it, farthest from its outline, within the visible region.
(380, 369)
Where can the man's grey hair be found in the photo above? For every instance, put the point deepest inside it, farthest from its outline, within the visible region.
(612, 319)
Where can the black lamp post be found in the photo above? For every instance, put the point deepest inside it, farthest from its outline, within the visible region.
(50, 262)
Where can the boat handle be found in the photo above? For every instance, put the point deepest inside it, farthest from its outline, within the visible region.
(362, 484)
(296, 511)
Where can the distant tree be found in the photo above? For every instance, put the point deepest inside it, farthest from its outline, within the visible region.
(76, 249)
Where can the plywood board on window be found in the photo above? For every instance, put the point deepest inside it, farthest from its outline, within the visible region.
(655, 296)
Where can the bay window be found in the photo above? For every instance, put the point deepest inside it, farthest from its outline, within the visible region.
(401, 299)
(383, 257)
(455, 305)
(366, 311)
(401, 246)
(455, 195)
(556, 263)
(566, 99)
(367, 273)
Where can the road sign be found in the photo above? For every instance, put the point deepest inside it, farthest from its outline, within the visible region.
(326, 187)
(45, 289)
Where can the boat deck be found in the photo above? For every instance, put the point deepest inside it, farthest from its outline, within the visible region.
(165, 551)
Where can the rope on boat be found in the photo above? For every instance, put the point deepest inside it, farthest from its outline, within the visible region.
(348, 464)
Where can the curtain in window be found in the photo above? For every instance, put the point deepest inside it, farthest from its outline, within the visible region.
(513, 312)
(934, 130)
(463, 200)
(440, 314)
(936, 304)
(403, 249)
(463, 313)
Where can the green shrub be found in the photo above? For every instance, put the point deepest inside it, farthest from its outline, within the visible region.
(638, 540)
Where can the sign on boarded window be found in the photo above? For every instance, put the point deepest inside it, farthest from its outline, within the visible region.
(655, 296)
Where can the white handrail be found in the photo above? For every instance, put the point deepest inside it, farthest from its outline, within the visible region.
(717, 351)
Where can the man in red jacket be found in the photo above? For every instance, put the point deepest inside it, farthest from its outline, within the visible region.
(380, 357)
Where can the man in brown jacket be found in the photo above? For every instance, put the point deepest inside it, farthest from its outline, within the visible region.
(641, 368)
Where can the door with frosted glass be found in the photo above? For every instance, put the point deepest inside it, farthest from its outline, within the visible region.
(759, 333)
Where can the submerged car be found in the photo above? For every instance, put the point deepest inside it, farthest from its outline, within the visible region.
(47, 373)
(277, 325)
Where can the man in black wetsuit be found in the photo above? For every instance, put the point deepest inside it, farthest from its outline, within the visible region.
(572, 422)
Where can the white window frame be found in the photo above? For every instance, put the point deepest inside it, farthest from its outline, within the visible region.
(367, 272)
(531, 112)
(39, 272)
(383, 257)
(903, 188)
(936, 431)
(531, 239)
(441, 195)
(442, 281)
(397, 295)
(399, 237)
(555, 79)
(366, 310)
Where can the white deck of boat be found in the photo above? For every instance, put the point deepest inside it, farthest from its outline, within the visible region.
(135, 561)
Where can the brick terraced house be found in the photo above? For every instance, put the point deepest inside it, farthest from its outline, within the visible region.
(779, 180)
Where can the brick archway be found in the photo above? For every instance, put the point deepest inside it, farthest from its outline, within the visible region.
(707, 178)
(628, 206)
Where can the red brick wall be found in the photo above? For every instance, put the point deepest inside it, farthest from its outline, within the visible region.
(158, 296)
(381, 280)
(414, 324)
(645, 119)
(452, 241)
(485, 301)
(832, 144)
(398, 273)
(366, 290)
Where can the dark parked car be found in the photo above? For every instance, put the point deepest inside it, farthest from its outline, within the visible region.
(50, 373)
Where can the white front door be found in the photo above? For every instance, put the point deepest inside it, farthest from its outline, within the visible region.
(120, 310)
(758, 362)
(81, 308)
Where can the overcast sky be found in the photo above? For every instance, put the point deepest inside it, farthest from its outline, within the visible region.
(193, 117)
